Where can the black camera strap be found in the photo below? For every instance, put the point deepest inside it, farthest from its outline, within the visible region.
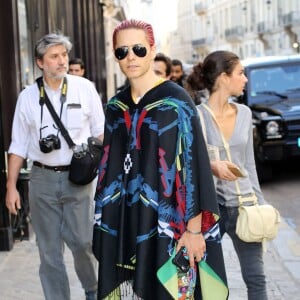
(45, 100)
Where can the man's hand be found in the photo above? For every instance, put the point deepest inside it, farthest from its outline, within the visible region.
(195, 246)
(12, 200)
(193, 240)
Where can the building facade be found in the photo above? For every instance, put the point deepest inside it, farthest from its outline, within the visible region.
(249, 28)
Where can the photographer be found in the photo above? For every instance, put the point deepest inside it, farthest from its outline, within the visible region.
(61, 211)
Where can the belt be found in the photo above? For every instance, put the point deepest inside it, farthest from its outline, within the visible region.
(53, 168)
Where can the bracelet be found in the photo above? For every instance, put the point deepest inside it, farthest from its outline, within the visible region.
(193, 232)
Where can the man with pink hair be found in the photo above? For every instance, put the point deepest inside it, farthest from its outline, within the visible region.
(155, 195)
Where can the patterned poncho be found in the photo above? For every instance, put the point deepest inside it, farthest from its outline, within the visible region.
(154, 177)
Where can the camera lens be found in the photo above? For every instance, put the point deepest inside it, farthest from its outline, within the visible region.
(46, 146)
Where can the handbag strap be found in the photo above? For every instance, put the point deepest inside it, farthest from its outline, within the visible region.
(225, 143)
(45, 100)
(227, 149)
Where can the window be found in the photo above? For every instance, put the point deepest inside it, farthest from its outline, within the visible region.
(25, 46)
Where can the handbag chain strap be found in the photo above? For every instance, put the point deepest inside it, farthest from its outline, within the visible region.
(227, 149)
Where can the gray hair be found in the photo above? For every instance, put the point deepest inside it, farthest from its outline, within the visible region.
(49, 40)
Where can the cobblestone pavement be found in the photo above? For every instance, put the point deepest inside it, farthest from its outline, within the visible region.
(19, 270)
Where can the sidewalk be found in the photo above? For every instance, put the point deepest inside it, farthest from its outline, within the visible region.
(19, 270)
(282, 267)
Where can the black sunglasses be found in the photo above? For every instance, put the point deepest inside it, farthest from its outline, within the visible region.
(138, 50)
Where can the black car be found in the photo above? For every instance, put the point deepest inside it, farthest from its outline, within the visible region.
(273, 94)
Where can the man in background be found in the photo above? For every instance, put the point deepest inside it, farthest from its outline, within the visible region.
(177, 73)
(76, 67)
(162, 65)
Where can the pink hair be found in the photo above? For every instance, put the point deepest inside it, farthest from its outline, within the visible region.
(134, 24)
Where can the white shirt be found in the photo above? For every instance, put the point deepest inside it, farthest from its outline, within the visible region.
(82, 120)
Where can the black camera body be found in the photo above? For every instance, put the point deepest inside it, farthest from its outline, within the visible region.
(181, 261)
(49, 143)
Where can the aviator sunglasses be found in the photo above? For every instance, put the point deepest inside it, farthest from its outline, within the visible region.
(138, 50)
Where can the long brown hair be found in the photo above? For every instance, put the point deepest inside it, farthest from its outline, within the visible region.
(215, 64)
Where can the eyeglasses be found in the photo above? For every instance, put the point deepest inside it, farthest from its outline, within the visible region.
(138, 50)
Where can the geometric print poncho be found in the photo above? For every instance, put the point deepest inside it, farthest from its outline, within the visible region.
(154, 176)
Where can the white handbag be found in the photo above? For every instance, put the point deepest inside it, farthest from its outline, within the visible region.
(257, 223)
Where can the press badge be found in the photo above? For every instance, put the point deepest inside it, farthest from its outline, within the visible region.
(74, 115)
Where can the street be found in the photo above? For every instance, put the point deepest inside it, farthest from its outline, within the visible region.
(283, 191)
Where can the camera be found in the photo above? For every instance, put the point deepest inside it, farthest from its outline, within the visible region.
(49, 143)
(80, 151)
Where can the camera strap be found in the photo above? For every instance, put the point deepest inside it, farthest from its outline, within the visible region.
(45, 100)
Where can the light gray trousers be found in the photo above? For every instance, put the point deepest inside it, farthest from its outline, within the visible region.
(61, 213)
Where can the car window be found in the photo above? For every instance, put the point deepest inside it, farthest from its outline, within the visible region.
(273, 80)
